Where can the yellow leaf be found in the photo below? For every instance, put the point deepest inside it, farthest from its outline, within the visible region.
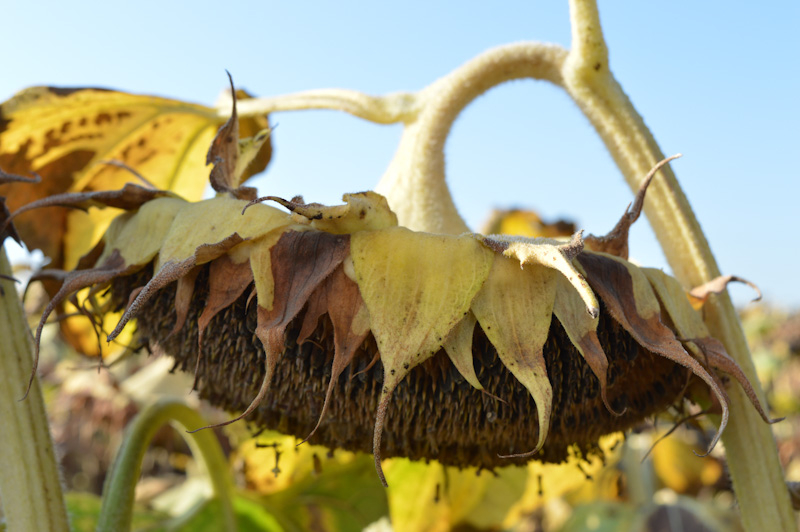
(62, 134)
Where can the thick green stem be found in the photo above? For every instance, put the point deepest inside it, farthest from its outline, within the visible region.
(118, 491)
(749, 444)
(30, 487)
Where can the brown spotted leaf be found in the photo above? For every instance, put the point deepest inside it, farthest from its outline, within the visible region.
(61, 135)
(630, 300)
(616, 242)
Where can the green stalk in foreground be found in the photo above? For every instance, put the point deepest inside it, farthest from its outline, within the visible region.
(118, 491)
(30, 487)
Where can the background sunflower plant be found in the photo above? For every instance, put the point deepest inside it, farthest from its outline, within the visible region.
(396, 270)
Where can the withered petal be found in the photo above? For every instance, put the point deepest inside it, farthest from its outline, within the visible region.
(340, 298)
(227, 280)
(720, 360)
(616, 241)
(625, 299)
(183, 298)
(224, 150)
(699, 294)
(172, 271)
(300, 260)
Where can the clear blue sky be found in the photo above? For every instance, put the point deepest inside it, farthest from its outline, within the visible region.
(717, 81)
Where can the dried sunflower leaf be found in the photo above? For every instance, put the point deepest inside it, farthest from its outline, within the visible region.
(224, 151)
(514, 309)
(129, 197)
(111, 267)
(719, 359)
(630, 300)
(5, 177)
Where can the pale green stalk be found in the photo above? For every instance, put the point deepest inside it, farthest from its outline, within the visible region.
(30, 487)
(120, 486)
(749, 444)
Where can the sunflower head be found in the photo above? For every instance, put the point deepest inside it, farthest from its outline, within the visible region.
(334, 323)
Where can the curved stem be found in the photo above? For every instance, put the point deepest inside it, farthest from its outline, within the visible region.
(387, 109)
(414, 183)
(118, 491)
(30, 487)
(749, 444)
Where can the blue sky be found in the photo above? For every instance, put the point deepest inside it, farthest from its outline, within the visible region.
(715, 81)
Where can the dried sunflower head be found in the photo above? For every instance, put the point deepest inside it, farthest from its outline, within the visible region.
(334, 323)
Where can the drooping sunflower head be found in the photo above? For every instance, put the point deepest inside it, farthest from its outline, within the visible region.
(337, 325)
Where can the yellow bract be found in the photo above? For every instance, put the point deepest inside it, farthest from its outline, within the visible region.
(416, 287)
(214, 220)
(138, 236)
(514, 309)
